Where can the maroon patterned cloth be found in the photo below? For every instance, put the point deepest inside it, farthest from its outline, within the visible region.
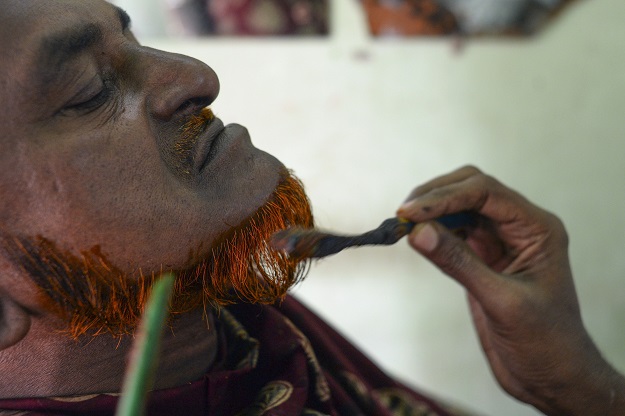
(281, 360)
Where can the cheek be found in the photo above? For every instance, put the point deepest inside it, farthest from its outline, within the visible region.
(104, 182)
(134, 210)
(82, 193)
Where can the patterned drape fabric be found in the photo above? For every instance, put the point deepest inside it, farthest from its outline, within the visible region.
(272, 361)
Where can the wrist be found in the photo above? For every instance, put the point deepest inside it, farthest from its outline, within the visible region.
(596, 389)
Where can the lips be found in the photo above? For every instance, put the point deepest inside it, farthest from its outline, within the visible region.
(206, 144)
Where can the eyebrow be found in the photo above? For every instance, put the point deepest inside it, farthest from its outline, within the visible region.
(62, 47)
(57, 49)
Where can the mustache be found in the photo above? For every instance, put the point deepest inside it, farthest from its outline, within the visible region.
(197, 123)
(184, 146)
(93, 296)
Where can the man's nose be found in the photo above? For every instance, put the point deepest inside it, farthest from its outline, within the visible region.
(178, 85)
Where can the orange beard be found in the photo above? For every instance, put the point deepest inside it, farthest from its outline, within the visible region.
(95, 297)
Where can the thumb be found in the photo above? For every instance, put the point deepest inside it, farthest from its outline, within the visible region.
(453, 256)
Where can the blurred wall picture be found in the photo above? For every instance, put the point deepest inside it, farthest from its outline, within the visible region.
(252, 17)
(459, 17)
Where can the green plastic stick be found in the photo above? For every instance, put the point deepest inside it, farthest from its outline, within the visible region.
(139, 377)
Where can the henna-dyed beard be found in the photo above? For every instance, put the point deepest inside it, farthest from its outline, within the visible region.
(93, 296)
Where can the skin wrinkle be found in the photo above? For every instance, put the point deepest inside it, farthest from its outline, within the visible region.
(96, 297)
(114, 106)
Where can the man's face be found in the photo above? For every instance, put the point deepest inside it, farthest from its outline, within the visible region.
(92, 154)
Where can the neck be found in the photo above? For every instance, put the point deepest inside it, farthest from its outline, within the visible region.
(48, 364)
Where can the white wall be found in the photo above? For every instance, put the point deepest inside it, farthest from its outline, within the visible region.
(363, 121)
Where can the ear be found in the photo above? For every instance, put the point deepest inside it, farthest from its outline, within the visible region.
(15, 318)
(14, 321)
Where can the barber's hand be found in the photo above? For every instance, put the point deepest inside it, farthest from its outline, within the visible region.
(515, 268)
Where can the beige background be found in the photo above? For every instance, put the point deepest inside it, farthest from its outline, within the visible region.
(363, 121)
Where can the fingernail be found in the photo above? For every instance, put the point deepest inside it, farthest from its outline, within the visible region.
(425, 238)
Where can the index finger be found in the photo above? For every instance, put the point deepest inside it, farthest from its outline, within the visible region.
(467, 189)
(458, 175)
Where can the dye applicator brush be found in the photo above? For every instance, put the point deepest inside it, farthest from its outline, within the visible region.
(303, 243)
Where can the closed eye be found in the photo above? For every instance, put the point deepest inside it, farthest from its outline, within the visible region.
(93, 101)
